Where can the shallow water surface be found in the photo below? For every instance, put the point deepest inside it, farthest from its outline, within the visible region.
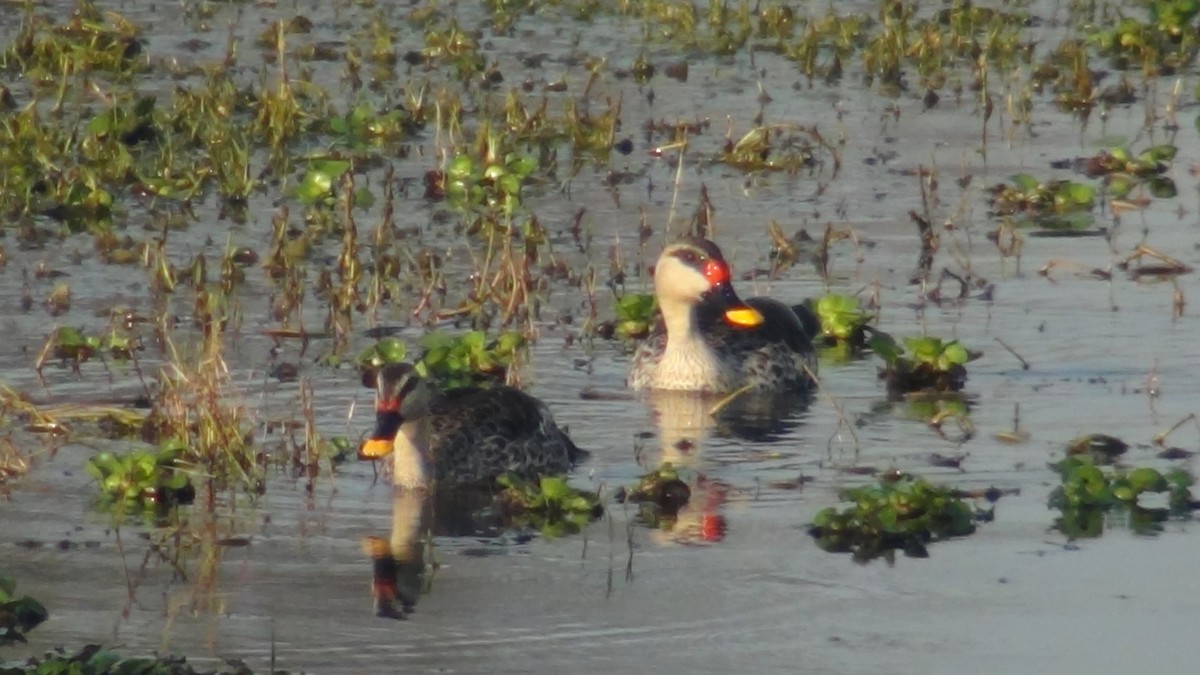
(291, 586)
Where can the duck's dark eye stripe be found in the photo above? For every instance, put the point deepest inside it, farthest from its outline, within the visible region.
(407, 385)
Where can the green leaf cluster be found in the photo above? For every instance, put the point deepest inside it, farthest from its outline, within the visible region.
(1168, 40)
(362, 126)
(141, 480)
(842, 317)
(551, 505)
(1030, 196)
(1088, 494)
(72, 344)
(923, 363)
(451, 360)
(901, 514)
(635, 315)
(95, 660)
(18, 615)
(474, 183)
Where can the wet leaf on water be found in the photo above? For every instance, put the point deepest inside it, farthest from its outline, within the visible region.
(1162, 187)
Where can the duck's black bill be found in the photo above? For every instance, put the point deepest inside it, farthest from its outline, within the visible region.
(735, 311)
(380, 444)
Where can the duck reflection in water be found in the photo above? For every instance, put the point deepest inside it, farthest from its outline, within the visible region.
(448, 450)
(399, 563)
(686, 423)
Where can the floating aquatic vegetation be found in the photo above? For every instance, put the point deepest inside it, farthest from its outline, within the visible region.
(1165, 43)
(900, 512)
(18, 615)
(551, 505)
(95, 659)
(73, 346)
(1060, 204)
(931, 363)
(450, 360)
(844, 323)
(1142, 498)
(142, 481)
(636, 314)
(1123, 172)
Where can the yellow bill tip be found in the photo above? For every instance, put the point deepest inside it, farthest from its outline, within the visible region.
(375, 448)
(746, 317)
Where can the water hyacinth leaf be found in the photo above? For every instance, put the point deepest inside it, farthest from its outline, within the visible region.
(1160, 153)
(520, 166)
(1119, 184)
(364, 198)
(391, 350)
(494, 172)
(509, 184)
(1080, 193)
(509, 342)
(886, 347)
(1026, 182)
(840, 315)
(955, 354)
(1146, 479)
(1162, 187)
(554, 489)
(318, 182)
(461, 168)
(635, 307)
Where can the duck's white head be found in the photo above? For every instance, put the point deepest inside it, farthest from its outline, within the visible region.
(402, 409)
(692, 272)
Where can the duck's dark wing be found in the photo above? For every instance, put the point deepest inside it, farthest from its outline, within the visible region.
(793, 326)
(481, 433)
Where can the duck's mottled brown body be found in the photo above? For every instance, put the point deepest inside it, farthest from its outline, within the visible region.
(464, 437)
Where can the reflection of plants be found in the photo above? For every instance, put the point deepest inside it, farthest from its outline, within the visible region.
(18, 616)
(930, 364)
(904, 513)
(551, 505)
(142, 480)
(1088, 494)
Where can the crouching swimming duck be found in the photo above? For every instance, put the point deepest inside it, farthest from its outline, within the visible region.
(463, 437)
(710, 340)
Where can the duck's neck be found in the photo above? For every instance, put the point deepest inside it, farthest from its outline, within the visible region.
(688, 362)
(412, 469)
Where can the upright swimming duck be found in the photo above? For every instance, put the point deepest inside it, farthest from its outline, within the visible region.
(463, 437)
(709, 340)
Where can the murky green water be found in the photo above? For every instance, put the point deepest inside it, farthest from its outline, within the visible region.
(1013, 598)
